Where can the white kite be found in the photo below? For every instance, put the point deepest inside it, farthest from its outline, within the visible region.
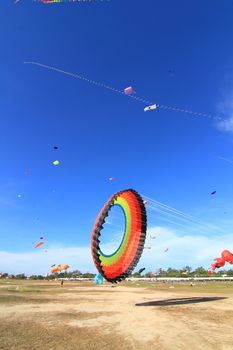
(149, 108)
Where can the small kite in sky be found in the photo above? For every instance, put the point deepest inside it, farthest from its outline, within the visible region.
(39, 244)
(128, 90)
(152, 237)
(19, 195)
(145, 202)
(149, 108)
(56, 162)
(55, 147)
(212, 193)
(166, 250)
(112, 89)
(111, 178)
(141, 270)
(171, 72)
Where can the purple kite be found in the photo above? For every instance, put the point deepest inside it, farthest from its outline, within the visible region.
(128, 90)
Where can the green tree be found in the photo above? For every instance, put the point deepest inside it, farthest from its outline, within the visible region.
(21, 276)
(200, 271)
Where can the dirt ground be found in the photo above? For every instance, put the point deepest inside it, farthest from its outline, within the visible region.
(44, 315)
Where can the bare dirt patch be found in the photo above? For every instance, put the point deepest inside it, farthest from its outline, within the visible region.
(124, 317)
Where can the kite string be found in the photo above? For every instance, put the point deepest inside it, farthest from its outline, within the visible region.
(134, 96)
(165, 215)
(187, 216)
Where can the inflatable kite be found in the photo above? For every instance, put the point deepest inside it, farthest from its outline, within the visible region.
(59, 268)
(226, 256)
(119, 265)
(98, 279)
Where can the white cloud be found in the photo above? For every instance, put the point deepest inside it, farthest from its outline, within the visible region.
(226, 108)
(39, 262)
(226, 125)
(183, 250)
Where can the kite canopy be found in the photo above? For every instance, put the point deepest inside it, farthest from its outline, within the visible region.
(119, 265)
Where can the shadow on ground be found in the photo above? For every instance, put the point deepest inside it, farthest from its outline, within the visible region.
(180, 301)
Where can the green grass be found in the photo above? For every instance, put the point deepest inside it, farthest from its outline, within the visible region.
(5, 299)
(21, 290)
(198, 287)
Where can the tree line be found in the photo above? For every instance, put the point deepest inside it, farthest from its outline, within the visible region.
(170, 272)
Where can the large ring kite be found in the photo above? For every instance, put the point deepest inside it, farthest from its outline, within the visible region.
(119, 265)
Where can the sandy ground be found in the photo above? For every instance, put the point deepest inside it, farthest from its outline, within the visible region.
(102, 317)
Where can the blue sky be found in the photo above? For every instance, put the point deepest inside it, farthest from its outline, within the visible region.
(176, 53)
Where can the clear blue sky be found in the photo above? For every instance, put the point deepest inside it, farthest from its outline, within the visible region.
(169, 156)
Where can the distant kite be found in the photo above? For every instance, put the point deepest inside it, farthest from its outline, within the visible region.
(128, 90)
(56, 162)
(212, 193)
(141, 270)
(150, 108)
(133, 96)
(39, 244)
(111, 178)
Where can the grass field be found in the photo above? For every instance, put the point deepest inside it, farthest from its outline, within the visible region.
(141, 315)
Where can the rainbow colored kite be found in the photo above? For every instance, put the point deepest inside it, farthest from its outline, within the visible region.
(119, 265)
